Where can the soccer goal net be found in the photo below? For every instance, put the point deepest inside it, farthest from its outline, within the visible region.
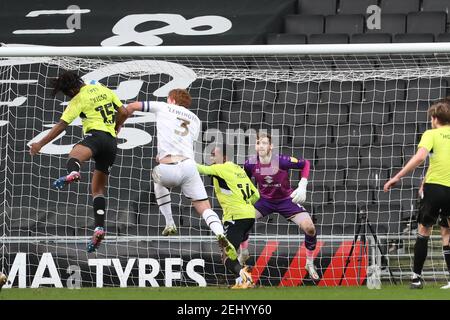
(356, 115)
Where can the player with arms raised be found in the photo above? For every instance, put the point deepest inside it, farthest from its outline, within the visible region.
(236, 194)
(98, 108)
(271, 173)
(177, 129)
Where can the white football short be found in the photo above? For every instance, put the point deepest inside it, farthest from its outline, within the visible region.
(183, 174)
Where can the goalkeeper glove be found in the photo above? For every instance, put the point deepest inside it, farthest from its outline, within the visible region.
(299, 194)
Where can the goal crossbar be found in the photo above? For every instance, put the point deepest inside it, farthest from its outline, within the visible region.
(313, 49)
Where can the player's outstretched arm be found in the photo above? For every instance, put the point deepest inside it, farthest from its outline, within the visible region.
(413, 163)
(134, 106)
(207, 170)
(54, 132)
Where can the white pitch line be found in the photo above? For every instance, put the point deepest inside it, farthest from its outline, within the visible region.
(44, 31)
(37, 13)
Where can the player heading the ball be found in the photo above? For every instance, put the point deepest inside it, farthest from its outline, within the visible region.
(177, 129)
(99, 108)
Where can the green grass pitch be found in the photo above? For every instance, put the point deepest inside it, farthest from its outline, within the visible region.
(387, 292)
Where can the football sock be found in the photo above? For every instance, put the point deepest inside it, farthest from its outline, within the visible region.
(99, 210)
(310, 244)
(163, 200)
(73, 165)
(212, 220)
(420, 253)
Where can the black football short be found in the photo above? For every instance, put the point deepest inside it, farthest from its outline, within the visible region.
(435, 204)
(104, 149)
(237, 231)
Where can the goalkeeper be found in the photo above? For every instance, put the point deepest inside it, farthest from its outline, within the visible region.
(272, 177)
(98, 107)
(236, 194)
(435, 192)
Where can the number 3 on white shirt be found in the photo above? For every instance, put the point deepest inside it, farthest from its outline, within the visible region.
(184, 124)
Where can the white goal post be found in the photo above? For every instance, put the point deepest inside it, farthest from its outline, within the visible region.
(356, 111)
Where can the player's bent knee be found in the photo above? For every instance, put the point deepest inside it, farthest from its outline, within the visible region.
(81, 152)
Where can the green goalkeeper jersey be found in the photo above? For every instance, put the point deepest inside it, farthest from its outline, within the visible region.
(234, 190)
(97, 106)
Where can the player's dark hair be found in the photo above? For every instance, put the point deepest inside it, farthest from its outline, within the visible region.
(68, 83)
(264, 134)
(441, 111)
(181, 97)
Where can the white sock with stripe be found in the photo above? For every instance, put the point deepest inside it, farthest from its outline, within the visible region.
(212, 220)
(164, 202)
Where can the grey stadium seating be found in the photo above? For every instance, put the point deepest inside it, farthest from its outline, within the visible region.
(436, 5)
(345, 23)
(285, 114)
(286, 38)
(371, 38)
(354, 135)
(324, 7)
(413, 38)
(369, 113)
(298, 92)
(426, 89)
(443, 37)
(384, 91)
(329, 38)
(355, 6)
(381, 156)
(391, 23)
(354, 198)
(340, 92)
(314, 136)
(410, 112)
(394, 134)
(304, 24)
(327, 114)
(341, 157)
(362, 179)
(403, 6)
(426, 22)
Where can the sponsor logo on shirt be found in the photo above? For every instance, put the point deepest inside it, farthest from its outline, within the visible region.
(268, 179)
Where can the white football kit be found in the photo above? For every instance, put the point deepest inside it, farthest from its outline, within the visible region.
(177, 129)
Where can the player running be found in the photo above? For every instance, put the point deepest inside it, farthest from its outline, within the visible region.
(177, 129)
(272, 177)
(236, 194)
(98, 107)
